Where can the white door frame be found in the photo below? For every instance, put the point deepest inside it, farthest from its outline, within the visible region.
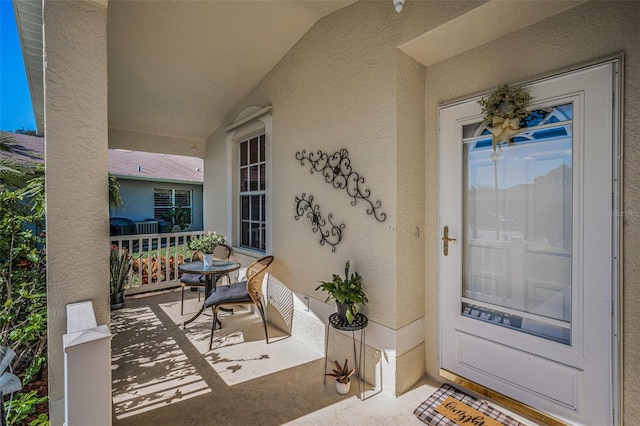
(611, 178)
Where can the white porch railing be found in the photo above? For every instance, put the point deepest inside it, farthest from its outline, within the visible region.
(155, 258)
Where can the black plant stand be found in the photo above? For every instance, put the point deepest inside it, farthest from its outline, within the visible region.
(360, 322)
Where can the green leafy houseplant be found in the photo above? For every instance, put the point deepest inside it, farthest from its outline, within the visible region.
(347, 291)
(207, 243)
(178, 216)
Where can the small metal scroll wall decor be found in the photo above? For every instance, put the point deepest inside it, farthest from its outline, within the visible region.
(329, 234)
(336, 169)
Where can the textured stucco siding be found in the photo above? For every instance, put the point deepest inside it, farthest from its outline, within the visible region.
(338, 88)
(409, 190)
(584, 34)
(137, 200)
(76, 161)
(343, 85)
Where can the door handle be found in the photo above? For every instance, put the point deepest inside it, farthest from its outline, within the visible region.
(445, 241)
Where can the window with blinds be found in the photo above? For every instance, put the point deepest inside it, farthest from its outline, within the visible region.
(164, 199)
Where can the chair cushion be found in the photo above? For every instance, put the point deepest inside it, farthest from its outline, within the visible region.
(236, 292)
(193, 279)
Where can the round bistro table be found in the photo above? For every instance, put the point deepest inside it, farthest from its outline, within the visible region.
(212, 274)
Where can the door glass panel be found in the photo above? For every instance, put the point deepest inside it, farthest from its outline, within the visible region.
(518, 226)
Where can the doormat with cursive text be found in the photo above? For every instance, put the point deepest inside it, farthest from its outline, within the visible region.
(450, 407)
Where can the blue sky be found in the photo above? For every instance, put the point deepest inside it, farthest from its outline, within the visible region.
(16, 111)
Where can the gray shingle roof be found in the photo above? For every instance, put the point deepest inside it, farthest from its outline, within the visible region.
(123, 163)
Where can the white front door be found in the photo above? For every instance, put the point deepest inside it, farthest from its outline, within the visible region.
(526, 288)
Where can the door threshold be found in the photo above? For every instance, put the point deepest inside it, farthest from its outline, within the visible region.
(502, 400)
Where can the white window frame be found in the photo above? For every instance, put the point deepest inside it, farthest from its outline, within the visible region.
(252, 122)
(251, 193)
(172, 200)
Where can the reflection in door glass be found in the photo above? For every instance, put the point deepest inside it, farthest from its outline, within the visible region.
(518, 227)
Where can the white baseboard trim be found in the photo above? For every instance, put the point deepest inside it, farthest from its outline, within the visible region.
(392, 342)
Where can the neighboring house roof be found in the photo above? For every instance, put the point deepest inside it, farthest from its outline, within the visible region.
(154, 166)
(27, 149)
(122, 163)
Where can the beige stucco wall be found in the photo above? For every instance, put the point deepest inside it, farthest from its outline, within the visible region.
(338, 88)
(76, 173)
(345, 85)
(583, 34)
(409, 189)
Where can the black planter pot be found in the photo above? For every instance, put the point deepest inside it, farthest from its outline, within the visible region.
(342, 310)
(117, 300)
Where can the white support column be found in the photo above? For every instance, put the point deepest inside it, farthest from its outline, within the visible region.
(76, 161)
(87, 368)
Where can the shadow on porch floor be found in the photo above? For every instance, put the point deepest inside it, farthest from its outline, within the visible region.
(163, 374)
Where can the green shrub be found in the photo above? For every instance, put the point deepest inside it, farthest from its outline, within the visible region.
(23, 297)
(24, 404)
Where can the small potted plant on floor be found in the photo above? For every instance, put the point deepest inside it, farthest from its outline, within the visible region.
(343, 377)
(207, 244)
(120, 262)
(347, 292)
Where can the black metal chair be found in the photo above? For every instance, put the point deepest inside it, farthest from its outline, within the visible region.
(221, 252)
(248, 292)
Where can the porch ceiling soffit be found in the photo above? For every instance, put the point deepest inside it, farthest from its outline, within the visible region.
(149, 142)
(177, 67)
(481, 25)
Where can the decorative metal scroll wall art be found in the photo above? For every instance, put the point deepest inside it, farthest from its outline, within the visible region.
(336, 169)
(329, 233)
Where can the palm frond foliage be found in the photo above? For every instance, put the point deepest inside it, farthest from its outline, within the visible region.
(12, 174)
(115, 199)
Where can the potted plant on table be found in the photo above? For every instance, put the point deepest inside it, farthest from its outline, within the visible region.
(347, 292)
(206, 244)
(120, 263)
(343, 377)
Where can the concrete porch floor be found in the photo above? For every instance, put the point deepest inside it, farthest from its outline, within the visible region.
(164, 374)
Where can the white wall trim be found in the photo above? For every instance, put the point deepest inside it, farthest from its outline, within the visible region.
(392, 342)
(233, 132)
(248, 118)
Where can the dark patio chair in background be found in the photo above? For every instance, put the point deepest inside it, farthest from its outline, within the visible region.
(221, 252)
(248, 292)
